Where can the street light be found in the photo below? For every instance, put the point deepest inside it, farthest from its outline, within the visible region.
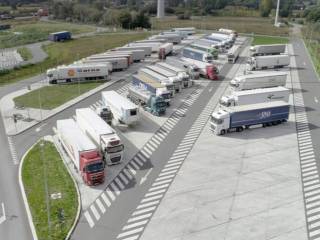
(277, 14)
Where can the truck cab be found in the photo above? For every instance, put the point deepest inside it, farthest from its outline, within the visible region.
(220, 122)
(157, 105)
(226, 101)
(165, 94)
(52, 75)
(212, 72)
(234, 84)
(112, 148)
(105, 113)
(92, 168)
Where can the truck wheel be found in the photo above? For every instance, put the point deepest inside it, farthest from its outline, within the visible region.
(274, 123)
(247, 127)
(239, 129)
(222, 132)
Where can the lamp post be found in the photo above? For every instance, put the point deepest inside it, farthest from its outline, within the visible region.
(277, 14)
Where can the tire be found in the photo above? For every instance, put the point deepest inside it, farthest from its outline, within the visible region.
(247, 127)
(222, 132)
(274, 123)
(239, 129)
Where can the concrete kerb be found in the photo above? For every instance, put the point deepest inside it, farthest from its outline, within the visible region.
(65, 106)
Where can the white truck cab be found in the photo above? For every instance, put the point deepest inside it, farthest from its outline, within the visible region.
(220, 121)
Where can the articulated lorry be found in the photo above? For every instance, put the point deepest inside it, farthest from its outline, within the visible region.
(211, 43)
(190, 68)
(255, 80)
(228, 31)
(260, 95)
(271, 49)
(211, 50)
(240, 117)
(196, 54)
(170, 38)
(159, 78)
(165, 50)
(181, 73)
(137, 55)
(269, 61)
(151, 85)
(117, 63)
(78, 73)
(104, 136)
(82, 151)
(234, 53)
(217, 40)
(156, 105)
(172, 77)
(207, 70)
(122, 109)
(155, 46)
(186, 30)
(106, 56)
(147, 50)
(59, 36)
(183, 35)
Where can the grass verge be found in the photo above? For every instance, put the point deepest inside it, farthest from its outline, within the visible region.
(314, 50)
(53, 96)
(69, 51)
(25, 53)
(258, 40)
(58, 181)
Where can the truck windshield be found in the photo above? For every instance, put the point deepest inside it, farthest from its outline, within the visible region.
(166, 95)
(95, 167)
(209, 58)
(234, 84)
(161, 104)
(216, 120)
(115, 149)
(223, 103)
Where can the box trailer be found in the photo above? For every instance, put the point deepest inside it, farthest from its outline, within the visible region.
(154, 45)
(151, 85)
(122, 109)
(254, 80)
(59, 36)
(110, 55)
(207, 70)
(186, 30)
(260, 95)
(165, 50)
(211, 50)
(138, 55)
(228, 31)
(102, 134)
(156, 105)
(269, 61)
(159, 78)
(80, 63)
(190, 68)
(172, 77)
(147, 50)
(181, 73)
(224, 37)
(132, 55)
(78, 73)
(223, 42)
(171, 38)
(82, 151)
(183, 35)
(196, 54)
(118, 63)
(240, 117)
(271, 49)
(234, 53)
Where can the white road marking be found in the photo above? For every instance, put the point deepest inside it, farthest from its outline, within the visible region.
(144, 178)
(95, 212)
(111, 195)
(137, 224)
(89, 219)
(143, 211)
(13, 151)
(139, 217)
(148, 204)
(106, 200)
(150, 194)
(123, 178)
(151, 198)
(100, 205)
(40, 127)
(3, 217)
(316, 99)
(130, 232)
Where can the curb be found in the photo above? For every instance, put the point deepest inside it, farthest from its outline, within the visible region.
(89, 94)
(24, 196)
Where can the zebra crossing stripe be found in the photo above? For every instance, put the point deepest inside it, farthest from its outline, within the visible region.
(89, 219)
(105, 199)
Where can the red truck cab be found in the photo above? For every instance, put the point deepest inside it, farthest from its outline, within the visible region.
(212, 72)
(92, 167)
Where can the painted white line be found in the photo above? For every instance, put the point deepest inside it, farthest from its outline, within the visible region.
(130, 232)
(308, 169)
(181, 157)
(134, 165)
(309, 173)
(150, 147)
(110, 194)
(151, 198)
(170, 168)
(144, 178)
(157, 137)
(132, 171)
(158, 187)
(95, 212)
(146, 151)
(105, 199)
(311, 193)
(316, 100)
(153, 144)
(312, 205)
(148, 204)
(177, 160)
(180, 154)
(306, 189)
(311, 199)
(139, 217)
(127, 174)
(3, 217)
(308, 164)
(144, 211)
(89, 219)
(150, 194)
(142, 157)
(162, 182)
(167, 173)
(120, 184)
(100, 205)
(138, 160)
(310, 178)
(133, 225)
(123, 178)
(172, 164)
(115, 188)
(312, 211)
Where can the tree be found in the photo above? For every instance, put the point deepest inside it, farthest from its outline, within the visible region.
(125, 19)
(265, 8)
(141, 20)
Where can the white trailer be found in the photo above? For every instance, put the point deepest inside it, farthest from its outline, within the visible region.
(102, 134)
(180, 72)
(147, 50)
(114, 55)
(80, 63)
(78, 73)
(122, 109)
(169, 75)
(260, 95)
(256, 80)
(154, 45)
(187, 30)
(118, 63)
(137, 55)
(82, 151)
(158, 77)
(208, 70)
(165, 50)
(181, 34)
(171, 38)
(233, 53)
(269, 61)
(228, 31)
(271, 49)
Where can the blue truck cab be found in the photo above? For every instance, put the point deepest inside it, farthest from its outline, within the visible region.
(60, 36)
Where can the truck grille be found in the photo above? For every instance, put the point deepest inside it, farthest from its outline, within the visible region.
(115, 159)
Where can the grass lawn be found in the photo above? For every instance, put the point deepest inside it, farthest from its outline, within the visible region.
(32, 30)
(314, 50)
(258, 40)
(256, 25)
(58, 181)
(69, 51)
(53, 96)
(25, 53)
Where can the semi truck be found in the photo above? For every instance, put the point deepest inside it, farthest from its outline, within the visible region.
(59, 36)
(159, 78)
(78, 73)
(260, 95)
(152, 86)
(186, 30)
(104, 136)
(228, 31)
(212, 43)
(82, 151)
(170, 38)
(156, 105)
(172, 77)
(122, 109)
(183, 35)
(165, 50)
(212, 50)
(109, 55)
(154, 45)
(105, 113)
(240, 117)
(233, 53)
(147, 50)
(179, 72)
(118, 63)
(196, 54)
(269, 61)
(254, 80)
(207, 70)
(107, 64)
(222, 42)
(271, 49)
(190, 68)
(137, 55)
(224, 37)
